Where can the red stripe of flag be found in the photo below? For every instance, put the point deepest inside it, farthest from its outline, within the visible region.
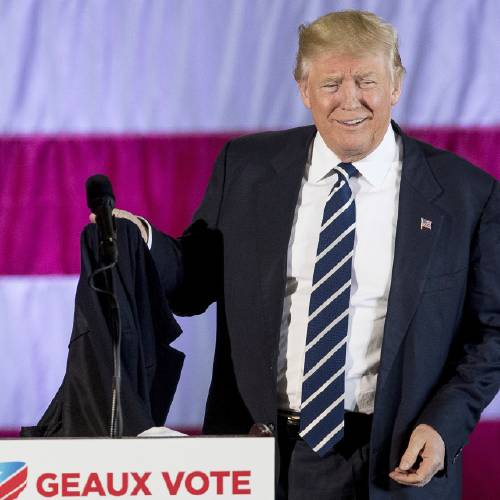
(162, 177)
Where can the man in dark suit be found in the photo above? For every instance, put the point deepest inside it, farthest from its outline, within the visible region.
(356, 273)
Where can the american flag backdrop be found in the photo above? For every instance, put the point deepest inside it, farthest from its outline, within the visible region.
(147, 92)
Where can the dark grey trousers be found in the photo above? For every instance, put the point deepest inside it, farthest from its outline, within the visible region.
(342, 474)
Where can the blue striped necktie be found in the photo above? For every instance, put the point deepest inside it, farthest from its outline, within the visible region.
(322, 407)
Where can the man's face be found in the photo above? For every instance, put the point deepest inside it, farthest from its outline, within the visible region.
(350, 99)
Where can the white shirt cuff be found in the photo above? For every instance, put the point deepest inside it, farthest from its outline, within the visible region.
(150, 232)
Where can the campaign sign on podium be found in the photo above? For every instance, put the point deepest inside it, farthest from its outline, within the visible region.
(175, 467)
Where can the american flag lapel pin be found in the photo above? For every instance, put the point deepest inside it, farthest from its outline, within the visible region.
(425, 224)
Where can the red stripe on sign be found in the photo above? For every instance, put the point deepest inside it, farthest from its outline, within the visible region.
(15, 494)
(15, 484)
(162, 177)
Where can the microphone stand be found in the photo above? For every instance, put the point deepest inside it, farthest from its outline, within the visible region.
(108, 288)
(116, 424)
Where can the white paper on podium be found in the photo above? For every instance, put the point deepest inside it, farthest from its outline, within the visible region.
(130, 468)
(161, 432)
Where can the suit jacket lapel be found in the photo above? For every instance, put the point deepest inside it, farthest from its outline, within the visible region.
(277, 195)
(413, 248)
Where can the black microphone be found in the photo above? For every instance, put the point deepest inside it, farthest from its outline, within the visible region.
(101, 201)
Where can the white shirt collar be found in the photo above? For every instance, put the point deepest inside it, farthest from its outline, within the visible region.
(373, 167)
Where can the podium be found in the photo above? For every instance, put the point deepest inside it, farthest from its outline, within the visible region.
(130, 468)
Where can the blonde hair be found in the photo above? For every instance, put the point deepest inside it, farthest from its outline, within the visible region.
(352, 32)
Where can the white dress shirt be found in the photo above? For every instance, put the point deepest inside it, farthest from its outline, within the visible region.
(376, 193)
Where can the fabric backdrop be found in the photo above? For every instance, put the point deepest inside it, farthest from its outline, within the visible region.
(147, 92)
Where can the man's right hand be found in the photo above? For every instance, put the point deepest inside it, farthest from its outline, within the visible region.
(123, 214)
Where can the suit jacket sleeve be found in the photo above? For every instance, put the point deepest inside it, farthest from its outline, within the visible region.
(474, 375)
(191, 266)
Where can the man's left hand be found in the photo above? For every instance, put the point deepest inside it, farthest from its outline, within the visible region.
(426, 444)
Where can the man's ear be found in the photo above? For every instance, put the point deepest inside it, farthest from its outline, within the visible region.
(396, 91)
(304, 92)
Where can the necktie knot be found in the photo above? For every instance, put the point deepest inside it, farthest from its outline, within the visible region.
(347, 170)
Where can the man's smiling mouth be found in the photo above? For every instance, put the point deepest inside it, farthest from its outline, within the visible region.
(352, 123)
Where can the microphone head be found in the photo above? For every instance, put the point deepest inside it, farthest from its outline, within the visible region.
(99, 190)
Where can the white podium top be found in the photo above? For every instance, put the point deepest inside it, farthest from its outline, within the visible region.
(176, 467)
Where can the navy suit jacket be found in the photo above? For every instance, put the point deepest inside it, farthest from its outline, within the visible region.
(440, 361)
